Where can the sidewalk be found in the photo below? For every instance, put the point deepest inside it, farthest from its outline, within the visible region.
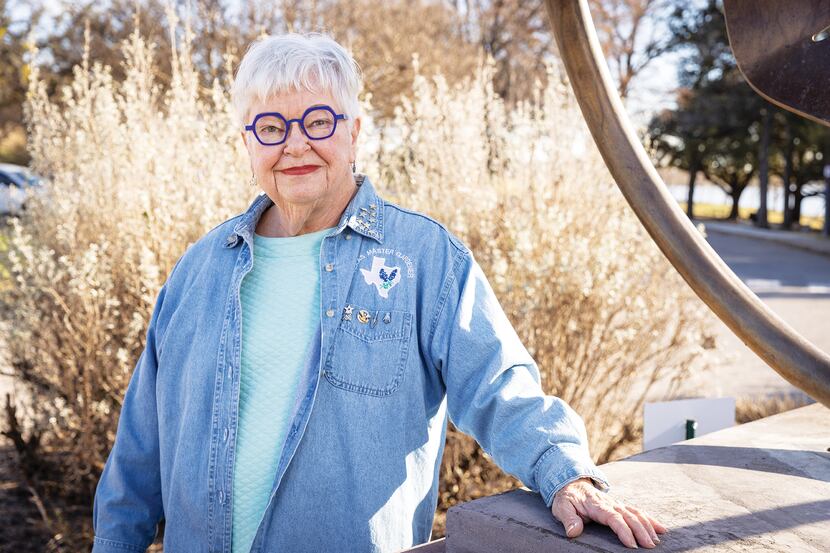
(810, 241)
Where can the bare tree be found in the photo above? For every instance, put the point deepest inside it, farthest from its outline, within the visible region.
(630, 36)
(517, 35)
(14, 71)
(384, 37)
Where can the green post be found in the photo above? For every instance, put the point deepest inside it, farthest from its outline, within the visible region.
(691, 426)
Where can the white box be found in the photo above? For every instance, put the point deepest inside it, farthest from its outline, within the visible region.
(664, 423)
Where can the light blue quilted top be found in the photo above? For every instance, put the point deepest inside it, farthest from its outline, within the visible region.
(280, 312)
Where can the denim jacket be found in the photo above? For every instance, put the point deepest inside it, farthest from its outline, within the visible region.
(410, 332)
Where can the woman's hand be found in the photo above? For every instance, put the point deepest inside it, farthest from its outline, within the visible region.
(579, 502)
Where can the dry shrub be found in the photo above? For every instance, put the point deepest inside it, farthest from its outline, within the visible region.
(604, 314)
(137, 174)
(748, 409)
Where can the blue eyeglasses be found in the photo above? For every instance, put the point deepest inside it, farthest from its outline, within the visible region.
(317, 123)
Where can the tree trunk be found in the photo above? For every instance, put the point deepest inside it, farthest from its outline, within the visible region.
(825, 230)
(736, 195)
(826, 172)
(788, 176)
(788, 208)
(690, 201)
(763, 172)
(797, 204)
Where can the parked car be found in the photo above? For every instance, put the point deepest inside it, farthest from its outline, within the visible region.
(17, 183)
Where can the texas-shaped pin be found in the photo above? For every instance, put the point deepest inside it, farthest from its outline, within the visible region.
(384, 278)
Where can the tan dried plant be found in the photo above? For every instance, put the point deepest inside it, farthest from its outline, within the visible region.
(134, 176)
(606, 317)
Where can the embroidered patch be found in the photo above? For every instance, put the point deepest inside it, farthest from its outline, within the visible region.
(386, 253)
(382, 277)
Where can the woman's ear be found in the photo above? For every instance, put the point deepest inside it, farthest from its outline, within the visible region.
(354, 132)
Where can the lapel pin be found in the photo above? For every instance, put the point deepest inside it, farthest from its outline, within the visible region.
(363, 316)
(347, 313)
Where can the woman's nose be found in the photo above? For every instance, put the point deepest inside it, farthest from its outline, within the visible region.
(296, 141)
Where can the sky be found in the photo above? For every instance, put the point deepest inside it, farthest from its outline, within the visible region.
(653, 90)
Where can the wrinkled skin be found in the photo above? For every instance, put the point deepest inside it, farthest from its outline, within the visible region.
(303, 203)
(580, 502)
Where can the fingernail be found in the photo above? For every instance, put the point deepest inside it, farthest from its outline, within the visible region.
(656, 539)
(570, 527)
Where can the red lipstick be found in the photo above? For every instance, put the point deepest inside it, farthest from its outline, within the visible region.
(301, 170)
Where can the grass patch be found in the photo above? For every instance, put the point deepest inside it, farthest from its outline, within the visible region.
(720, 211)
(5, 276)
(4, 238)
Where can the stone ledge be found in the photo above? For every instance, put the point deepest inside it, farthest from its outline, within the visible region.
(759, 486)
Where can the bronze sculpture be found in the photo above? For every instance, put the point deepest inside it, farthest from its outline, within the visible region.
(782, 348)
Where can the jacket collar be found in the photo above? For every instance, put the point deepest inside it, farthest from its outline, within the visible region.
(363, 214)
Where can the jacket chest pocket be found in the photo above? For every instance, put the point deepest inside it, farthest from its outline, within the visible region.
(369, 352)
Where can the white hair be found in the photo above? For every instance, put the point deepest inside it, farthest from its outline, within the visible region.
(313, 62)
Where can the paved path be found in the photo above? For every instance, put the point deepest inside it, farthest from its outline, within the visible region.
(794, 283)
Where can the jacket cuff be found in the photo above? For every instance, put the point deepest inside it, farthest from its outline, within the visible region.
(101, 545)
(561, 465)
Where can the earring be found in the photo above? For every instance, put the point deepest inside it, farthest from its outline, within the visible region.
(354, 167)
(252, 182)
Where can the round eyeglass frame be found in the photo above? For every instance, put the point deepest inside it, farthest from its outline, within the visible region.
(299, 121)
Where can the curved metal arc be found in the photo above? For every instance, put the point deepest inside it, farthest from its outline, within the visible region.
(781, 347)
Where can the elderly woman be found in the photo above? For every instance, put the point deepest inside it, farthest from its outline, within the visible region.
(302, 358)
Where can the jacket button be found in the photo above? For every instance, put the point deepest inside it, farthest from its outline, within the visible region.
(221, 497)
(348, 236)
(329, 267)
(330, 313)
(225, 435)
